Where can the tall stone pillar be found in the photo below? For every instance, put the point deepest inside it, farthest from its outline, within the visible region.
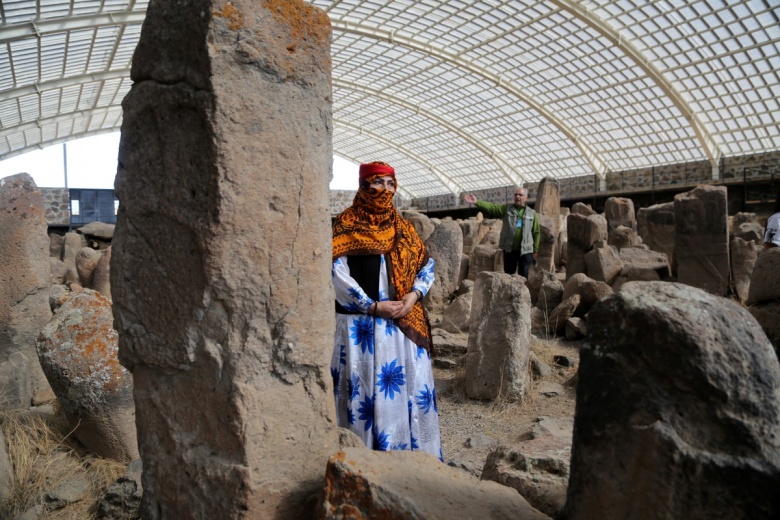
(25, 273)
(548, 202)
(701, 238)
(221, 257)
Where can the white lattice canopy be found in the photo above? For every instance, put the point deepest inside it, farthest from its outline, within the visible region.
(458, 95)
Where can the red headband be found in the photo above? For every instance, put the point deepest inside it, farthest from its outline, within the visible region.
(372, 169)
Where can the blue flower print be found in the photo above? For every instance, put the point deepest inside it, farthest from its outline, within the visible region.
(441, 455)
(426, 273)
(390, 328)
(435, 406)
(342, 354)
(425, 399)
(382, 441)
(356, 294)
(336, 375)
(350, 416)
(391, 379)
(399, 446)
(415, 446)
(353, 308)
(353, 387)
(366, 412)
(383, 297)
(420, 352)
(363, 334)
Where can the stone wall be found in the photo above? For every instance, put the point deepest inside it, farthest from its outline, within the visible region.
(55, 206)
(681, 175)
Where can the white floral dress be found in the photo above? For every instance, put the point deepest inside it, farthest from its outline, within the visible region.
(383, 382)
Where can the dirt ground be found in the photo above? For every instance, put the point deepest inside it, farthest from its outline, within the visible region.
(471, 429)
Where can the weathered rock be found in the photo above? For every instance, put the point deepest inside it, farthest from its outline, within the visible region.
(122, 499)
(6, 471)
(655, 225)
(34, 513)
(582, 209)
(603, 264)
(465, 287)
(349, 439)
(750, 232)
(563, 238)
(743, 256)
(499, 338)
(538, 469)
(74, 242)
(539, 368)
(66, 493)
(623, 236)
(101, 277)
(449, 345)
(99, 230)
(765, 278)
(226, 149)
(78, 352)
(562, 313)
(55, 245)
(643, 259)
(575, 328)
(548, 237)
(678, 397)
(483, 258)
(743, 217)
(550, 292)
(57, 295)
(360, 483)
(463, 272)
(583, 232)
(15, 382)
(619, 211)
(548, 205)
(444, 245)
(457, 315)
(702, 238)
(480, 440)
(25, 271)
(489, 232)
(86, 261)
(589, 290)
(58, 271)
(766, 315)
(470, 229)
(422, 224)
(549, 389)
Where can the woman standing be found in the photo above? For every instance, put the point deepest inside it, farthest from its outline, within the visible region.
(381, 364)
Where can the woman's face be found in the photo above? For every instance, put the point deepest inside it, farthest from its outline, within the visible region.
(384, 182)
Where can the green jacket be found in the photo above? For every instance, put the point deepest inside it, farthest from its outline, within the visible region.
(524, 238)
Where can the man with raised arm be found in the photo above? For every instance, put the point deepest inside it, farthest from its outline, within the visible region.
(519, 239)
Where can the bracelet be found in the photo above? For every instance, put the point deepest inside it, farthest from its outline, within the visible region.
(419, 294)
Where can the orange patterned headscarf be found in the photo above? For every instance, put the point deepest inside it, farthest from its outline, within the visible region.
(372, 226)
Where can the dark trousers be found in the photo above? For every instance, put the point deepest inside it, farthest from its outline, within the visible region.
(514, 262)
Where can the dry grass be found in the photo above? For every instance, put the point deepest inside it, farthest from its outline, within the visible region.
(44, 456)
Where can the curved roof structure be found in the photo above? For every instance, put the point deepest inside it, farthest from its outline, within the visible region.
(459, 94)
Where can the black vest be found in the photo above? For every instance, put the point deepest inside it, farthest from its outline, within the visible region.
(365, 270)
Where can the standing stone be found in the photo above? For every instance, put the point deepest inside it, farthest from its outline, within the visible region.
(548, 238)
(222, 254)
(582, 209)
(470, 230)
(499, 337)
(78, 352)
(548, 203)
(55, 245)
(656, 227)
(25, 271)
(603, 264)
(483, 258)
(765, 278)
(702, 238)
(456, 318)
(583, 233)
(422, 224)
(678, 409)
(444, 245)
(73, 243)
(563, 237)
(6, 472)
(15, 382)
(619, 211)
(743, 255)
(101, 276)
(86, 261)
